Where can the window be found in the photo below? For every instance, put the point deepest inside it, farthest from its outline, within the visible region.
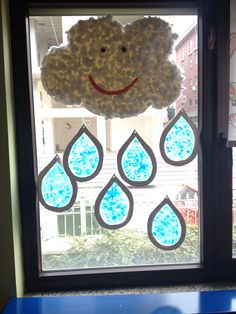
(182, 54)
(195, 83)
(125, 256)
(190, 47)
(190, 62)
(79, 223)
(69, 223)
(195, 41)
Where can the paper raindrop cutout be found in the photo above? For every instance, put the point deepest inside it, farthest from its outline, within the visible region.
(179, 140)
(166, 226)
(83, 156)
(56, 191)
(114, 205)
(136, 161)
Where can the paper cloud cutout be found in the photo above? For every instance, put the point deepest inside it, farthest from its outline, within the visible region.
(114, 71)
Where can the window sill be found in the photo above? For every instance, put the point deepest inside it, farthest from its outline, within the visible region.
(142, 290)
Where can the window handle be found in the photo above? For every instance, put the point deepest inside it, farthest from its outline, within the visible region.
(211, 39)
(223, 140)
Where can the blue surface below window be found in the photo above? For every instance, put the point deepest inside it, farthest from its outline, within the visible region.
(167, 303)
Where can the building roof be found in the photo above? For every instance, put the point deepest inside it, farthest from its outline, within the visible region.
(185, 35)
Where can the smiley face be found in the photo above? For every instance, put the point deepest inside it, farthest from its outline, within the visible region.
(114, 71)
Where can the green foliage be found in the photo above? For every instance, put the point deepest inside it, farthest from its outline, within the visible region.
(122, 248)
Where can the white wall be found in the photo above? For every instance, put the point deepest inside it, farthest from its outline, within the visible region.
(149, 126)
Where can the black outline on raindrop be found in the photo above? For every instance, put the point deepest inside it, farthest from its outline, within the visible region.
(39, 188)
(166, 131)
(99, 200)
(149, 152)
(182, 223)
(98, 145)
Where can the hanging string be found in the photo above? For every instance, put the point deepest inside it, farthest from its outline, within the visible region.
(54, 31)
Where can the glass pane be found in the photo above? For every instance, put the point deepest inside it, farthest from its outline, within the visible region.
(83, 243)
(232, 109)
(88, 224)
(61, 225)
(69, 224)
(96, 226)
(77, 225)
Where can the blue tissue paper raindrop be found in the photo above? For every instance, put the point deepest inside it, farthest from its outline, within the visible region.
(83, 158)
(136, 162)
(114, 207)
(180, 141)
(56, 187)
(166, 227)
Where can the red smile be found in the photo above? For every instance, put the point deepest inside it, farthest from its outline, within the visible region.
(111, 92)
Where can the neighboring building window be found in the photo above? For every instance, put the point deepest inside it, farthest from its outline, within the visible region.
(190, 46)
(69, 223)
(78, 221)
(195, 40)
(182, 54)
(195, 82)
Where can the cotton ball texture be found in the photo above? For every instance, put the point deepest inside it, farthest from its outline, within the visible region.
(114, 71)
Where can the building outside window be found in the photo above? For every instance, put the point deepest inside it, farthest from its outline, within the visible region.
(190, 70)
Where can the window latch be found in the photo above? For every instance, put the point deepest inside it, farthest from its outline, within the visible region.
(223, 140)
(211, 39)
